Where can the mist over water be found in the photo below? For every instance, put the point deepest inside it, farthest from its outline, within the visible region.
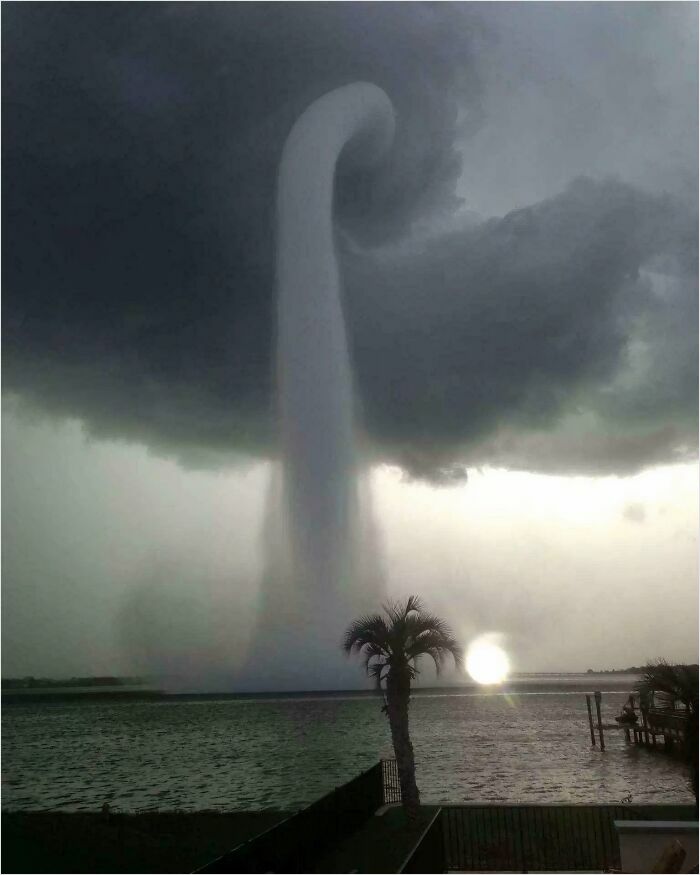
(322, 567)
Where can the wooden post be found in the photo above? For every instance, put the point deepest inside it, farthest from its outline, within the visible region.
(600, 720)
(590, 719)
(644, 707)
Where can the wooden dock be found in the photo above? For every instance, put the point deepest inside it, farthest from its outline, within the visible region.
(662, 728)
(657, 728)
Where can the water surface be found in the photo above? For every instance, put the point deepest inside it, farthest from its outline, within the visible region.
(233, 753)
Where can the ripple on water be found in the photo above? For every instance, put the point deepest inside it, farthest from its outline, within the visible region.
(285, 754)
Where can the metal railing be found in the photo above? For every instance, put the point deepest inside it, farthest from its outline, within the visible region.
(391, 782)
(297, 843)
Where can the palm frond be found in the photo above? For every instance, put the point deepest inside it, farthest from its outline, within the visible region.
(457, 651)
(394, 612)
(377, 670)
(434, 638)
(670, 683)
(437, 647)
(398, 611)
(413, 605)
(371, 628)
(436, 655)
(373, 651)
(421, 623)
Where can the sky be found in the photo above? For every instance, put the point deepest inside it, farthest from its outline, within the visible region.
(521, 305)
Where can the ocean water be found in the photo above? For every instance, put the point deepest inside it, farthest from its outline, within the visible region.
(193, 753)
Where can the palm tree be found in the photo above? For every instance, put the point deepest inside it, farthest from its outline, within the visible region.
(671, 684)
(391, 646)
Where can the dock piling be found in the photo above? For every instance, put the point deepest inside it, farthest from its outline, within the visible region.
(590, 719)
(598, 697)
(644, 708)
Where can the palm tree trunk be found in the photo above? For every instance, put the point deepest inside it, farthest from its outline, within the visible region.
(397, 695)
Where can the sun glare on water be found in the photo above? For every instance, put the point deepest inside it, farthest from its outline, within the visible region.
(487, 663)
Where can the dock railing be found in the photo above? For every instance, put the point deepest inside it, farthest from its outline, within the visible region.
(667, 723)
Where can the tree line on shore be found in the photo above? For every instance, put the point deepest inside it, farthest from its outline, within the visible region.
(633, 669)
(31, 682)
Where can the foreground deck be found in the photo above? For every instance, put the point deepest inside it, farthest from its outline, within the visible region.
(350, 830)
(530, 838)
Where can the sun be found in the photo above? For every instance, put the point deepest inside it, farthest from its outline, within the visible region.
(487, 663)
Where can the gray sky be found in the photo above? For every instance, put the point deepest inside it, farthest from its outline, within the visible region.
(521, 297)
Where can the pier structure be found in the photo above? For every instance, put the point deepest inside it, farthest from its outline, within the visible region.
(667, 725)
(663, 728)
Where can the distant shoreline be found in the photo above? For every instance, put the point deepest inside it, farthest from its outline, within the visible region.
(521, 683)
(132, 683)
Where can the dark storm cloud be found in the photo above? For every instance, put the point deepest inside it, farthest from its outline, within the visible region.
(519, 322)
(141, 144)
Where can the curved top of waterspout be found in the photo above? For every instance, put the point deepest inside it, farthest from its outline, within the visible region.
(372, 140)
(355, 120)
